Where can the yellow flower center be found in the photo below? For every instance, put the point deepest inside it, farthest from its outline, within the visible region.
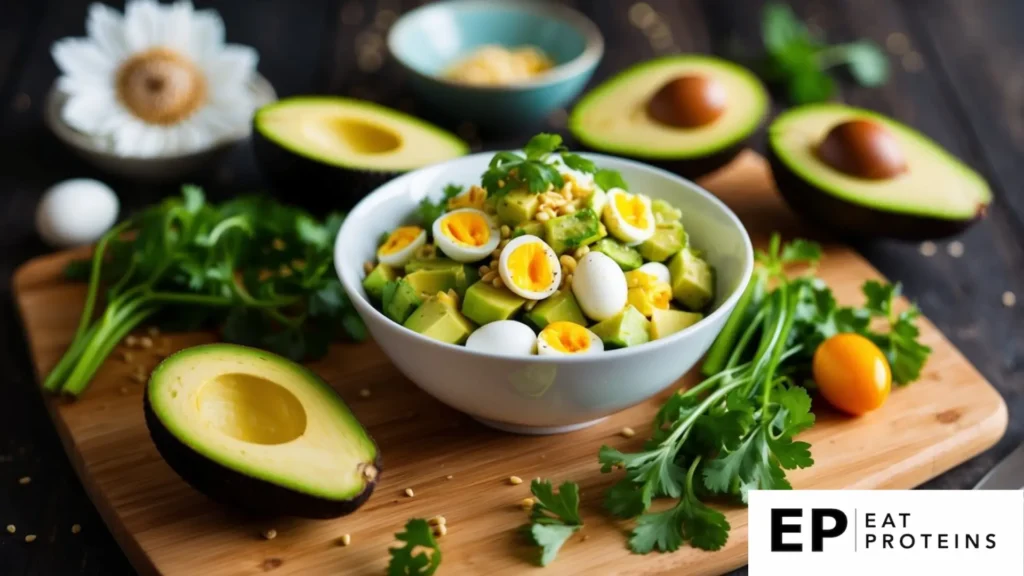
(159, 86)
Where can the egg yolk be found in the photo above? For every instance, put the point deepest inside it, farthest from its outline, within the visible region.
(466, 228)
(473, 198)
(646, 293)
(632, 210)
(399, 239)
(567, 337)
(530, 268)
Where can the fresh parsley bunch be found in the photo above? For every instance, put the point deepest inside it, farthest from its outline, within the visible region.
(799, 61)
(262, 271)
(533, 170)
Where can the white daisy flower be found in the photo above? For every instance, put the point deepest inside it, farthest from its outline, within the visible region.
(157, 81)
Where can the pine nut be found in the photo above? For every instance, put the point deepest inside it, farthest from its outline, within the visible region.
(484, 270)
(581, 252)
(543, 216)
(505, 231)
(627, 432)
(497, 283)
(568, 261)
(515, 480)
(489, 277)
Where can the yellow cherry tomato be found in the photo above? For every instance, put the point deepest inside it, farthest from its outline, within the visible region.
(852, 373)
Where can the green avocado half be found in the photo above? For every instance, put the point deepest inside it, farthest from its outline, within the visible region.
(614, 117)
(259, 432)
(935, 196)
(328, 152)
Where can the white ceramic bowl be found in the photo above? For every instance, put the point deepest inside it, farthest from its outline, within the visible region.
(544, 394)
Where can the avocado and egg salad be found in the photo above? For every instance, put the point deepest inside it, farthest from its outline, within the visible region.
(549, 255)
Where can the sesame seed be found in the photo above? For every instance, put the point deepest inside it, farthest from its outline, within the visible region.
(955, 249)
(627, 432)
(30, 538)
(526, 503)
(76, 528)
(440, 530)
(927, 249)
(146, 342)
(1009, 299)
(409, 492)
(514, 480)
(24, 480)
(11, 529)
(270, 534)
(437, 521)
(365, 392)
(346, 539)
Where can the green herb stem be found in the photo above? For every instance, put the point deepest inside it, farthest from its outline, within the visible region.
(100, 348)
(718, 356)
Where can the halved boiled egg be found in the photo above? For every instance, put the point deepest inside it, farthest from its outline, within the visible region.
(566, 338)
(466, 235)
(629, 216)
(530, 268)
(401, 245)
(503, 337)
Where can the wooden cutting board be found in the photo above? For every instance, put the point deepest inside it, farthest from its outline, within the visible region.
(459, 468)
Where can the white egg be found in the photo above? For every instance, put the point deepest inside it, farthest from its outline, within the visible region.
(565, 338)
(466, 235)
(401, 245)
(76, 212)
(530, 268)
(599, 286)
(629, 217)
(503, 337)
(658, 270)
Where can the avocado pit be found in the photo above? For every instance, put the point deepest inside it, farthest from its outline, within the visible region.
(688, 101)
(862, 149)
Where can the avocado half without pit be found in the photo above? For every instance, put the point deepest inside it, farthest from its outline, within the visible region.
(690, 114)
(860, 174)
(259, 432)
(327, 152)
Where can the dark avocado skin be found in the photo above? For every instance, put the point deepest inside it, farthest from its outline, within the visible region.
(314, 185)
(844, 218)
(243, 492)
(693, 168)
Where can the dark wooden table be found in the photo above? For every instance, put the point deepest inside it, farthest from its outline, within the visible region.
(958, 76)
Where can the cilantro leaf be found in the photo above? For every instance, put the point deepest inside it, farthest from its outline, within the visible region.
(550, 538)
(689, 520)
(420, 556)
(906, 355)
(554, 517)
(867, 63)
(541, 145)
(531, 171)
(579, 163)
(428, 210)
(608, 179)
(800, 250)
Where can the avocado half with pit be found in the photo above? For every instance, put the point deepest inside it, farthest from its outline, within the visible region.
(690, 114)
(328, 152)
(861, 174)
(259, 432)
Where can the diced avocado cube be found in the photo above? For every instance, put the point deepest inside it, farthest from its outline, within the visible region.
(484, 303)
(517, 207)
(693, 283)
(668, 239)
(429, 264)
(377, 279)
(464, 274)
(438, 318)
(533, 228)
(596, 200)
(400, 299)
(573, 230)
(665, 213)
(559, 307)
(665, 322)
(429, 282)
(626, 257)
(627, 328)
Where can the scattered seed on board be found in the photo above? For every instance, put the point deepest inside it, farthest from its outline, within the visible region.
(11, 529)
(440, 530)
(146, 342)
(526, 503)
(514, 480)
(30, 538)
(409, 492)
(131, 341)
(927, 249)
(449, 477)
(955, 249)
(365, 392)
(270, 534)
(24, 480)
(627, 432)
(1009, 299)
(124, 390)
(437, 521)
(346, 539)
(76, 528)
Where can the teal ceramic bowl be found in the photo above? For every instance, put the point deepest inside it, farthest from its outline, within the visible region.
(428, 40)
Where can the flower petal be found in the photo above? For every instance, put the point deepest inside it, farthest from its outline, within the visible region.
(151, 142)
(176, 22)
(142, 29)
(87, 112)
(127, 137)
(207, 34)
(82, 59)
(234, 65)
(106, 28)
(234, 107)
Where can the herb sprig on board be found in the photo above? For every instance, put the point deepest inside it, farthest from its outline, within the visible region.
(261, 271)
(554, 518)
(420, 555)
(534, 170)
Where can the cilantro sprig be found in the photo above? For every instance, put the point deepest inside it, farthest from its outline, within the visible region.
(799, 61)
(554, 518)
(534, 170)
(429, 211)
(420, 555)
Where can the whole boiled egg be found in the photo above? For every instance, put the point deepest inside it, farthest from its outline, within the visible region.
(599, 286)
(530, 268)
(466, 234)
(567, 338)
(629, 217)
(76, 212)
(401, 245)
(503, 337)
(658, 270)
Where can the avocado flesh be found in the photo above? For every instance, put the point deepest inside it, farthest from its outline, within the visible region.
(260, 433)
(484, 303)
(936, 197)
(400, 299)
(668, 239)
(533, 228)
(438, 318)
(612, 117)
(573, 230)
(626, 257)
(667, 322)
(377, 279)
(430, 282)
(693, 284)
(627, 328)
(559, 307)
(327, 152)
(517, 207)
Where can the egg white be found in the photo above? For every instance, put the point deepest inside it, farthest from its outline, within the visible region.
(545, 349)
(506, 272)
(459, 251)
(503, 337)
(402, 255)
(619, 227)
(599, 286)
(658, 270)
